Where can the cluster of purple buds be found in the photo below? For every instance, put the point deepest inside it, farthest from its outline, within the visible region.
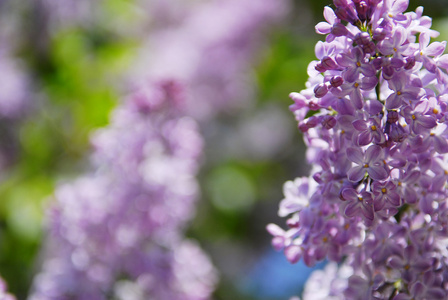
(118, 232)
(374, 116)
(355, 12)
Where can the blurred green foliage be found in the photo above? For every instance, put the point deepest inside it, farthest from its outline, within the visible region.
(75, 90)
(241, 196)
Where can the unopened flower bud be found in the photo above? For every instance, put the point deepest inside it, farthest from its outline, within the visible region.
(336, 81)
(328, 63)
(370, 48)
(362, 9)
(379, 34)
(320, 90)
(377, 63)
(346, 12)
(320, 68)
(392, 116)
(362, 38)
(329, 122)
(313, 121)
(293, 222)
(303, 127)
(339, 30)
(410, 63)
(397, 133)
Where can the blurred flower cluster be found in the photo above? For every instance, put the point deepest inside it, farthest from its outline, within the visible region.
(118, 231)
(122, 225)
(214, 64)
(374, 119)
(138, 135)
(115, 225)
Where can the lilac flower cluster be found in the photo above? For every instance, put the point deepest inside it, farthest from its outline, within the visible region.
(374, 119)
(118, 232)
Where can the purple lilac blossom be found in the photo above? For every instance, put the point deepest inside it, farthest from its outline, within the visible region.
(118, 231)
(376, 200)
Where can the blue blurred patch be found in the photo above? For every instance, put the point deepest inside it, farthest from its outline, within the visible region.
(273, 277)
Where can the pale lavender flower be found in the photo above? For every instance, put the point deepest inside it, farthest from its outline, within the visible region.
(354, 90)
(410, 264)
(369, 131)
(385, 194)
(358, 204)
(297, 195)
(327, 284)
(402, 91)
(355, 63)
(397, 45)
(371, 162)
(428, 52)
(417, 118)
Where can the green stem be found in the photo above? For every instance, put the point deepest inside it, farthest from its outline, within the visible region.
(378, 87)
(393, 294)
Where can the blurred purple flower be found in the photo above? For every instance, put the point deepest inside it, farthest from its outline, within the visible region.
(15, 86)
(210, 49)
(121, 226)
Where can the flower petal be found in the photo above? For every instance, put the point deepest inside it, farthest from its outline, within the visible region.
(373, 153)
(440, 144)
(329, 15)
(355, 155)
(393, 101)
(367, 212)
(377, 172)
(393, 198)
(355, 174)
(365, 138)
(323, 28)
(349, 194)
(435, 49)
(352, 209)
(423, 40)
(293, 253)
